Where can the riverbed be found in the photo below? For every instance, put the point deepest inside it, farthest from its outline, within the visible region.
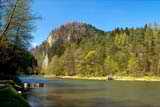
(95, 93)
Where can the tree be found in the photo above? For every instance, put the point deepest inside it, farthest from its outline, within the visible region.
(56, 66)
(15, 35)
(129, 51)
(14, 61)
(69, 60)
(18, 23)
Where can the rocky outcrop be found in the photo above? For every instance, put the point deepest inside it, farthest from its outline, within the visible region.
(72, 32)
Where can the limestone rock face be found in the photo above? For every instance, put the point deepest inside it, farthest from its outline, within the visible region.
(45, 62)
(51, 40)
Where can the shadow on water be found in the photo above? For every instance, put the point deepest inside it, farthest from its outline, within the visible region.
(84, 93)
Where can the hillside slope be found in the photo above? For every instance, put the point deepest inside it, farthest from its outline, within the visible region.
(81, 49)
(68, 33)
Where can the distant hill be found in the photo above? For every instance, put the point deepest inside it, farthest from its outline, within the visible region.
(72, 32)
(82, 49)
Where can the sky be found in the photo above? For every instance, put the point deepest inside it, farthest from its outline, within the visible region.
(103, 14)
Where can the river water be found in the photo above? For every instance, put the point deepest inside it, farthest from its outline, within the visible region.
(94, 93)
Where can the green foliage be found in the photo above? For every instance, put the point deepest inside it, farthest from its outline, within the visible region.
(16, 25)
(14, 60)
(120, 40)
(10, 98)
(56, 66)
(112, 65)
(120, 52)
(132, 64)
(21, 24)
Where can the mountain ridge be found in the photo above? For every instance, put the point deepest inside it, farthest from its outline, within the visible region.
(71, 32)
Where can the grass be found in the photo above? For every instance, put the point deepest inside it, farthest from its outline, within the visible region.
(10, 98)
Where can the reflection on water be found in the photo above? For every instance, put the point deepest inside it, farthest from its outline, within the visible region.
(87, 93)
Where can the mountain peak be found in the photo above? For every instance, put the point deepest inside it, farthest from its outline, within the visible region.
(72, 32)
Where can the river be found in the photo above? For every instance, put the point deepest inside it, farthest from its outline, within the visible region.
(94, 93)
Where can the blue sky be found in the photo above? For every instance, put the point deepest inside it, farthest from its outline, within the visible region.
(104, 14)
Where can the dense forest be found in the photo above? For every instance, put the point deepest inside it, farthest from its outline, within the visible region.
(16, 26)
(75, 48)
(81, 49)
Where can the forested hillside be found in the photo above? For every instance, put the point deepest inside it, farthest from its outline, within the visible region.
(81, 49)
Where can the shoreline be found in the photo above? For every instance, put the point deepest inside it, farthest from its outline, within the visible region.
(119, 78)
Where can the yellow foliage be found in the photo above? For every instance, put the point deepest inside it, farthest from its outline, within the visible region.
(120, 39)
(112, 65)
(132, 63)
(90, 55)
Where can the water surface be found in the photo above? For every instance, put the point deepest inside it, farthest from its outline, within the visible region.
(93, 93)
